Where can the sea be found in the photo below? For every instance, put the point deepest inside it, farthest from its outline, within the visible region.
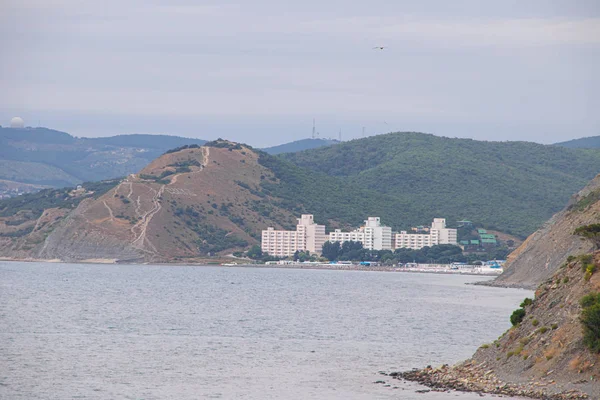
(93, 331)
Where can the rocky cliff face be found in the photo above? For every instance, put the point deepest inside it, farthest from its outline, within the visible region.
(188, 203)
(539, 257)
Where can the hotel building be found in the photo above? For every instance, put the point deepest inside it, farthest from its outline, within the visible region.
(308, 236)
(372, 235)
(438, 234)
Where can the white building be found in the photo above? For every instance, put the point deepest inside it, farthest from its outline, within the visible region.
(372, 235)
(307, 236)
(438, 234)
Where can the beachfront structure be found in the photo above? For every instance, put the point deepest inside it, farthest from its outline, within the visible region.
(438, 234)
(308, 236)
(372, 235)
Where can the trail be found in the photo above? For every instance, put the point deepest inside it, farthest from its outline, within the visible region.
(112, 217)
(141, 239)
(205, 154)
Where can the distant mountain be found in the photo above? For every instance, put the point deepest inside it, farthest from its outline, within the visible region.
(592, 142)
(509, 186)
(300, 145)
(54, 158)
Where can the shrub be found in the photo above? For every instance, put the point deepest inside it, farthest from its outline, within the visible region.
(554, 326)
(586, 258)
(589, 271)
(589, 300)
(543, 330)
(485, 346)
(566, 280)
(526, 302)
(590, 319)
(535, 322)
(571, 258)
(517, 316)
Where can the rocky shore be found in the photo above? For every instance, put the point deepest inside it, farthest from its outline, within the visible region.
(471, 377)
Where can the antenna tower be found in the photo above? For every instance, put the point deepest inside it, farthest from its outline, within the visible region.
(314, 131)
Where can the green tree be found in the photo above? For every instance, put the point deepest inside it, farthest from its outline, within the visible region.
(331, 250)
(255, 252)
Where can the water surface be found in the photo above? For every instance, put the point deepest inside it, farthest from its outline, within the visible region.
(70, 331)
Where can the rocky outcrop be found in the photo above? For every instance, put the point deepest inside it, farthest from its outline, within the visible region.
(543, 356)
(539, 257)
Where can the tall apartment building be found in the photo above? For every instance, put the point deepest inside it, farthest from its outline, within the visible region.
(438, 234)
(307, 236)
(372, 235)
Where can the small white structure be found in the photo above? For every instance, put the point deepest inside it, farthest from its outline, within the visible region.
(438, 234)
(372, 235)
(307, 236)
(17, 122)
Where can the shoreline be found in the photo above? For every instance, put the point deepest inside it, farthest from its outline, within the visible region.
(326, 267)
(473, 378)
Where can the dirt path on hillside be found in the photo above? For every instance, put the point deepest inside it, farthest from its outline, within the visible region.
(110, 212)
(205, 154)
(142, 226)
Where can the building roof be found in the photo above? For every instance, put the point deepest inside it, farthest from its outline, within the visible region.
(481, 231)
(474, 241)
(488, 241)
(487, 236)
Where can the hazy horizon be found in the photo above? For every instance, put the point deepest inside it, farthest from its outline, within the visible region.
(259, 73)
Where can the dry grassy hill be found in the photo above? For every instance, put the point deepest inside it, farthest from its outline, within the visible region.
(185, 204)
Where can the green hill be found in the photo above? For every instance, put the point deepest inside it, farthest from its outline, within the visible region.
(592, 142)
(299, 145)
(510, 186)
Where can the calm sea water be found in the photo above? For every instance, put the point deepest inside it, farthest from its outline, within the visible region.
(71, 331)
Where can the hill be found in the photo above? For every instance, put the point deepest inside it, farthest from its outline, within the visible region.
(541, 255)
(592, 142)
(553, 349)
(509, 186)
(299, 145)
(48, 157)
(190, 202)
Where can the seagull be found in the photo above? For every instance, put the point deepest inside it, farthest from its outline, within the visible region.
(379, 47)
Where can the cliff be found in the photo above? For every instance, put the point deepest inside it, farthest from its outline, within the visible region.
(540, 256)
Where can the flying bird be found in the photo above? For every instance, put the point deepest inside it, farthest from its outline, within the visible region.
(379, 47)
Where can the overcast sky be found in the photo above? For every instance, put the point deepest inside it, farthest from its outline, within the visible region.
(259, 71)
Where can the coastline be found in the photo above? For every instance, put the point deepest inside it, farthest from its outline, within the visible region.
(478, 378)
(213, 263)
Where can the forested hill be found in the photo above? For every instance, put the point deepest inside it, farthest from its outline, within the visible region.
(592, 142)
(510, 186)
(299, 145)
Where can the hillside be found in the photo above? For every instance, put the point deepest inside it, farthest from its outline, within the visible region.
(509, 186)
(48, 157)
(540, 256)
(553, 349)
(190, 202)
(592, 142)
(299, 145)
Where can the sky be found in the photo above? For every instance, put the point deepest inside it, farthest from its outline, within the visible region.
(259, 71)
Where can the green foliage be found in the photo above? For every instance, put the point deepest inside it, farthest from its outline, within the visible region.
(589, 271)
(591, 232)
(529, 181)
(586, 201)
(590, 320)
(184, 147)
(517, 316)
(53, 198)
(526, 302)
(543, 330)
(535, 322)
(255, 253)
(213, 239)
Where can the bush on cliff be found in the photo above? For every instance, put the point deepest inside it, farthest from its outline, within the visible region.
(517, 316)
(590, 319)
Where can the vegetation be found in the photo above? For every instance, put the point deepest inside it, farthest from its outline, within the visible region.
(591, 232)
(509, 186)
(590, 320)
(354, 251)
(526, 302)
(517, 316)
(299, 145)
(37, 202)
